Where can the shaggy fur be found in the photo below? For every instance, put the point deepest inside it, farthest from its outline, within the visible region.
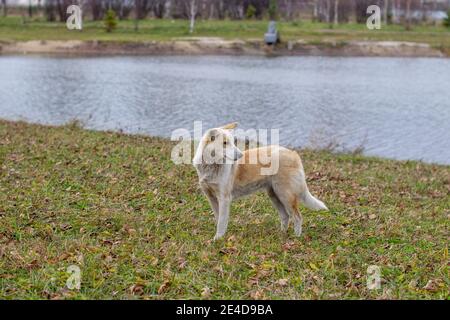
(225, 173)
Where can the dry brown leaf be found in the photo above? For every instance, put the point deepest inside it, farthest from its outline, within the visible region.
(282, 282)
(181, 263)
(257, 295)
(137, 289)
(289, 245)
(431, 286)
(206, 292)
(164, 286)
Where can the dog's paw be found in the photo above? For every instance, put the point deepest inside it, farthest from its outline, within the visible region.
(217, 237)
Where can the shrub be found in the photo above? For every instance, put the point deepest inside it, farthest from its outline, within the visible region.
(251, 12)
(110, 20)
(273, 8)
(447, 20)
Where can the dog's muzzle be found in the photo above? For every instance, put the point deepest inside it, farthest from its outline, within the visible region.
(237, 154)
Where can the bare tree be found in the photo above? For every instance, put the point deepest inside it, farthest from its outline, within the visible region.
(361, 9)
(158, 8)
(192, 12)
(236, 8)
(316, 10)
(122, 8)
(408, 15)
(394, 10)
(5, 8)
(221, 7)
(168, 9)
(96, 8)
(288, 9)
(336, 12)
(142, 8)
(53, 8)
(385, 11)
(328, 11)
(212, 10)
(30, 9)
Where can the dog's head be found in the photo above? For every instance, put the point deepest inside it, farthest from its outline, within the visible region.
(218, 147)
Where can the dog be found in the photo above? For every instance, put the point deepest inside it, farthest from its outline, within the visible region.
(226, 173)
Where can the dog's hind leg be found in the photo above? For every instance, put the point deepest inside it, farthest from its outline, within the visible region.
(292, 208)
(284, 216)
(290, 203)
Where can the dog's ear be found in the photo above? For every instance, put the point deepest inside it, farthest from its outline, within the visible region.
(230, 126)
(212, 135)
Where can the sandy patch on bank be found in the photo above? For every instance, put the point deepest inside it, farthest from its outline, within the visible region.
(215, 45)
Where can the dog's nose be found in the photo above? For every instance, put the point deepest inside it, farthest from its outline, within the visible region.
(237, 155)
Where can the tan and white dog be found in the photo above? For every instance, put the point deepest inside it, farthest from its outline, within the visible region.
(225, 173)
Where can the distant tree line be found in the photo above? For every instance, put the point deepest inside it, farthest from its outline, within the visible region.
(329, 11)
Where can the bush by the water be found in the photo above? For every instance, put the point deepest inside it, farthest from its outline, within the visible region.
(273, 9)
(447, 20)
(110, 20)
(251, 12)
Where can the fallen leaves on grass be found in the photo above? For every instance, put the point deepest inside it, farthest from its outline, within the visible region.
(116, 206)
(164, 287)
(206, 293)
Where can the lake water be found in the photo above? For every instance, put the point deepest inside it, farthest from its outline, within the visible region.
(394, 107)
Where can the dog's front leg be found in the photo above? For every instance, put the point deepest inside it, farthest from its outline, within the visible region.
(224, 214)
(214, 204)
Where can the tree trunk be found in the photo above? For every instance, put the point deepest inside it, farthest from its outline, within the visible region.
(386, 9)
(30, 9)
(316, 10)
(240, 11)
(193, 12)
(5, 9)
(211, 10)
(121, 11)
(395, 11)
(221, 13)
(136, 16)
(288, 6)
(61, 10)
(328, 11)
(408, 15)
(168, 9)
(336, 12)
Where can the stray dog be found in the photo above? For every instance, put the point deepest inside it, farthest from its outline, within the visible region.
(225, 173)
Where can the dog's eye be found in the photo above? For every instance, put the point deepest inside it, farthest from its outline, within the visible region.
(224, 143)
(213, 138)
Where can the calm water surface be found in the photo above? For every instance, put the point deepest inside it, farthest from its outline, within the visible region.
(396, 108)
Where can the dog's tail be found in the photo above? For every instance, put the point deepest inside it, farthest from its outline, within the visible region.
(311, 202)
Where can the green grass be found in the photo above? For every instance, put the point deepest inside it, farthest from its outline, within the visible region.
(138, 227)
(13, 29)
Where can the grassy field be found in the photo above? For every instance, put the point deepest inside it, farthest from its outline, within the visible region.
(138, 227)
(14, 28)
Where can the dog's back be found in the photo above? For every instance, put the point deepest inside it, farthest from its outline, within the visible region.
(286, 182)
(251, 166)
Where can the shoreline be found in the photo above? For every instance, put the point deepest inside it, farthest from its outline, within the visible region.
(219, 46)
(79, 125)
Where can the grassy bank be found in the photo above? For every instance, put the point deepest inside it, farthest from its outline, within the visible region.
(14, 29)
(138, 227)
